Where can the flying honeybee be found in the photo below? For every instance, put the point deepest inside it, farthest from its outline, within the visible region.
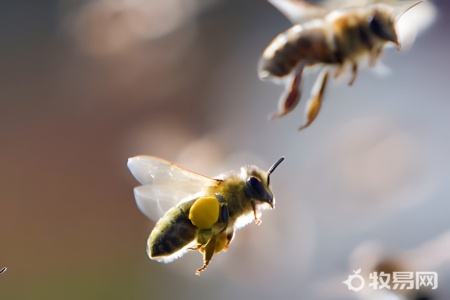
(201, 213)
(332, 39)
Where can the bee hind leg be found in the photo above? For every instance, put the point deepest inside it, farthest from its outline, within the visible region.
(290, 98)
(315, 102)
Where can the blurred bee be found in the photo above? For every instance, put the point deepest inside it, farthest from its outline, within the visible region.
(396, 267)
(328, 38)
(202, 213)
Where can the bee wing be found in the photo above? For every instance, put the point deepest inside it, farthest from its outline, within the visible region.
(415, 22)
(344, 4)
(164, 184)
(298, 11)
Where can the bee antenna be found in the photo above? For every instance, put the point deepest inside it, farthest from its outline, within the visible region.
(274, 166)
(403, 12)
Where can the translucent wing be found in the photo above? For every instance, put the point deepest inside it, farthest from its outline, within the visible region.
(298, 11)
(164, 184)
(415, 22)
(344, 4)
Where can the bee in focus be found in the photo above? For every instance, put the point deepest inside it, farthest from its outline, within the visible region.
(332, 39)
(197, 212)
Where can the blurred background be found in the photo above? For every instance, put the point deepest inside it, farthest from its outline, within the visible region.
(86, 84)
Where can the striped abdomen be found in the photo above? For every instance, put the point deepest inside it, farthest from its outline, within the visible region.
(172, 232)
(303, 44)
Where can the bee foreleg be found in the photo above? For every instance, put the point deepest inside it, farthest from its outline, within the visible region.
(315, 102)
(374, 55)
(255, 214)
(341, 70)
(354, 73)
(291, 97)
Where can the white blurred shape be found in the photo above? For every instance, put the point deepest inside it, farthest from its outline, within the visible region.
(106, 27)
(431, 255)
(204, 155)
(380, 164)
(414, 22)
(151, 137)
(298, 11)
(366, 168)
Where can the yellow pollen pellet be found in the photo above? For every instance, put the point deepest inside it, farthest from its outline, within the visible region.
(204, 212)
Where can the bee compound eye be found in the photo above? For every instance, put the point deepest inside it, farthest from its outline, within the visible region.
(375, 25)
(256, 186)
(204, 213)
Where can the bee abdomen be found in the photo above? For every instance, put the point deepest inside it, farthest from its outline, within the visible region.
(294, 46)
(172, 233)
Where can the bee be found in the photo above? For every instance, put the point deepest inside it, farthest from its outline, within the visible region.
(329, 39)
(201, 213)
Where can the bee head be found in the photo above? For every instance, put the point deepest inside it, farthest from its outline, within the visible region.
(382, 21)
(257, 183)
(382, 24)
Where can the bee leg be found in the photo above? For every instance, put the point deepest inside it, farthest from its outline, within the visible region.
(339, 71)
(203, 237)
(354, 73)
(196, 248)
(315, 102)
(208, 254)
(255, 215)
(223, 213)
(229, 238)
(374, 55)
(289, 99)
